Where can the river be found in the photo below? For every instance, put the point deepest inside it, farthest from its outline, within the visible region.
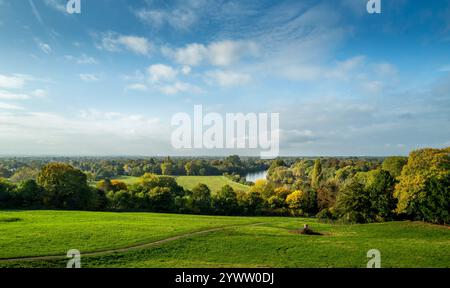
(252, 177)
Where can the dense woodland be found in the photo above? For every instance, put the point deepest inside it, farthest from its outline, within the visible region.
(107, 168)
(334, 189)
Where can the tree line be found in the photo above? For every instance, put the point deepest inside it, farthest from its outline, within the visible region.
(351, 189)
(19, 169)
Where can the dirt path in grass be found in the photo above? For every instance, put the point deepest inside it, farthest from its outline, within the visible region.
(129, 248)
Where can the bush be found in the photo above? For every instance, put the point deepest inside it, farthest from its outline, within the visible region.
(6, 193)
(29, 195)
(65, 187)
(325, 214)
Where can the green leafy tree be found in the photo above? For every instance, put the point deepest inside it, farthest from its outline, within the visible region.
(326, 194)
(353, 204)
(316, 175)
(4, 173)
(275, 163)
(190, 168)
(264, 188)
(250, 203)
(297, 202)
(121, 200)
(225, 201)
(281, 175)
(7, 190)
(162, 199)
(423, 191)
(368, 197)
(29, 194)
(150, 181)
(394, 165)
(201, 199)
(105, 185)
(66, 187)
(167, 168)
(24, 174)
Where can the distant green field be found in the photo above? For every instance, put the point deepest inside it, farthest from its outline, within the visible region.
(188, 182)
(129, 180)
(213, 182)
(243, 242)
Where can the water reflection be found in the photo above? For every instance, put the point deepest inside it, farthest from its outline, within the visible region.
(252, 177)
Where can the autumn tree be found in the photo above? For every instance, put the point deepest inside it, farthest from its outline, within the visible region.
(316, 175)
(326, 194)
(394, 165)
(297, 202)
(423, 191)
(167, 168)
(24, 174)
(162, 199)
(250, 202)
(65, 186)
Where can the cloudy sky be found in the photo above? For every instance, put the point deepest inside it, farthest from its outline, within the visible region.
(108, 81)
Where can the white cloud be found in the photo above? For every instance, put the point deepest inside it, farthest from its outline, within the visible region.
(40, 93)
(96, 115)
(137, 76)
(180, 19)
(7, 106)
(83, 59)
(193, 54)
(5, 95)
(161, 72)
(385, 70)
(297, 136)
(114, 42)
(12, 82)
(186, 70)
(180, 87)
(225, 53)
(136, 44)
(228, 78)
(305, 72)
(343, 69)
(57, 5)
(89, 132)
(222, 53)
(373, 87)
(136, 86)
(309, 71)
(165, 79)
(44, 47)
(89, 77)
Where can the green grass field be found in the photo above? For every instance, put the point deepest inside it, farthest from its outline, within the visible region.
(213, 182)
(188, 182)
(129, 180)
(240, 241)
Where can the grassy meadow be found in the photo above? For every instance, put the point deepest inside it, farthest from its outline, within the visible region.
(237, 241)
(188, 182)
(129, 180)
(213, 182)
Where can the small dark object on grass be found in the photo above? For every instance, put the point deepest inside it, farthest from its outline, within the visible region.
(8, 220)
(307, 231)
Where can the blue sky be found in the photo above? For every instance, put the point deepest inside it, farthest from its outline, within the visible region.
(107, 81)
